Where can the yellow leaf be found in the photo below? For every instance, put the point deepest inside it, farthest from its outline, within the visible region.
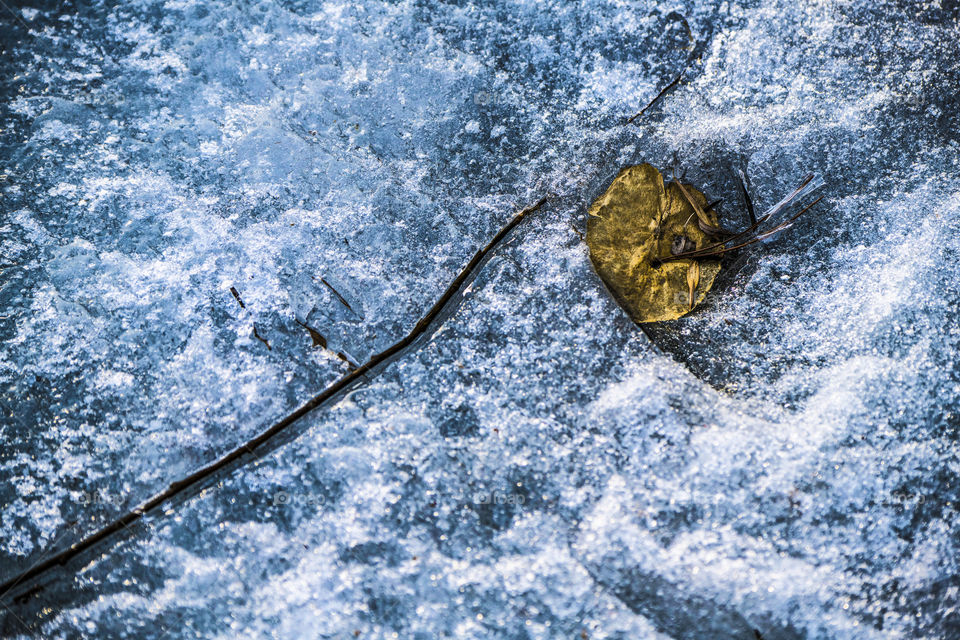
(634, 224)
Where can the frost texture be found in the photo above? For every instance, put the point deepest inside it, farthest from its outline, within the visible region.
(785, 459)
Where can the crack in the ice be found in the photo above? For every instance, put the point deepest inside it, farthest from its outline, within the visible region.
(247, 451)
(694, 55)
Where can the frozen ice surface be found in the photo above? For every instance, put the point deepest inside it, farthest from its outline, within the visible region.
(785, 459)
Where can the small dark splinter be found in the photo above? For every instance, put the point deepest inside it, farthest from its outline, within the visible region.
(236, 294)
(342, 300)
(316, 336)
(320, 341)
(261, 339)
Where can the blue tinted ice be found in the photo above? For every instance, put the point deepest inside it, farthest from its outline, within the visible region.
(783, 460)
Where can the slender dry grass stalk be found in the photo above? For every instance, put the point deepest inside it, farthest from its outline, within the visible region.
(756, 232)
